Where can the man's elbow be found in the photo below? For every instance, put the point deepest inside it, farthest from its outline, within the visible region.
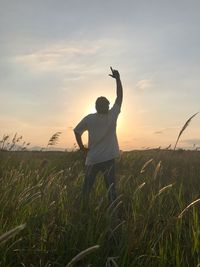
(76, 133)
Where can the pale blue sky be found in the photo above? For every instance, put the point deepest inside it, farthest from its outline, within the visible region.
(55, 58)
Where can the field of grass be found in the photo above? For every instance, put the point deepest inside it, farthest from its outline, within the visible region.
(153, 222)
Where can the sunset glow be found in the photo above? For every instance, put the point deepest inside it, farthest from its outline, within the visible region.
(54, 66)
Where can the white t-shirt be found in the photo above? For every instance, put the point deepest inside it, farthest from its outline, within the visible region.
(102, 143)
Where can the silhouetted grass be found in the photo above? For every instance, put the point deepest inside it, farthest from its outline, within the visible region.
(153, 222)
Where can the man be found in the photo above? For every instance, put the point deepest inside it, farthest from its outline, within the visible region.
(103, 145)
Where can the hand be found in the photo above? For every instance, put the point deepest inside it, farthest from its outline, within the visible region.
(115, 74)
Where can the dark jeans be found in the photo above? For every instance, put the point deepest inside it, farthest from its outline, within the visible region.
(107, 168)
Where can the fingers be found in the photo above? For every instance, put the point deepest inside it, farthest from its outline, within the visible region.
(111, 75)
(115, 73)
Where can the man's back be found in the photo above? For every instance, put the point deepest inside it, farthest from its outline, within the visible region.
(102, 143)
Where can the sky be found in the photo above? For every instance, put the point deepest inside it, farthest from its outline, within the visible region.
(55, 57)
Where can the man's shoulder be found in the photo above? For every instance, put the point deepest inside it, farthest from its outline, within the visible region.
(116, 109)
(90, 117)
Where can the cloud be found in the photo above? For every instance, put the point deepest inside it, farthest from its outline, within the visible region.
(158, 132)
(67, 56)
(144, 84)
(162, 131)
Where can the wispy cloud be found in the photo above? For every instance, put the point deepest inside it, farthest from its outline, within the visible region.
(158, 132)
(144, 84)
(162, 131)
(65, 56)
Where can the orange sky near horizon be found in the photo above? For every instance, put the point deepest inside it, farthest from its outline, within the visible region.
(134, 127)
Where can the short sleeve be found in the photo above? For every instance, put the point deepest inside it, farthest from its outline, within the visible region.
(115, 110)
(82, 126)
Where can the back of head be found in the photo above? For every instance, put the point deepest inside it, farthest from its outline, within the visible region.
(102, 105)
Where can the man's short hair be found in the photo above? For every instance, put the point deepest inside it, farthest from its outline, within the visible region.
(102, 105)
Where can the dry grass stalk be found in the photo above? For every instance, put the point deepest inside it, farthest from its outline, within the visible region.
(54, 139)
(145, 165)
(187, 208)
(168, 147)
(184, 127)
(82, 254)
(157, 170)
(139, 187)
(164, 189)
(8, 235)
(9, 144)
(3, 141)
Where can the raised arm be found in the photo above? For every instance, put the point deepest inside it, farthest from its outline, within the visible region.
(115, 74)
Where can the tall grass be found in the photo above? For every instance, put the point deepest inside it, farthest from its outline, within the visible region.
(153, 222)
